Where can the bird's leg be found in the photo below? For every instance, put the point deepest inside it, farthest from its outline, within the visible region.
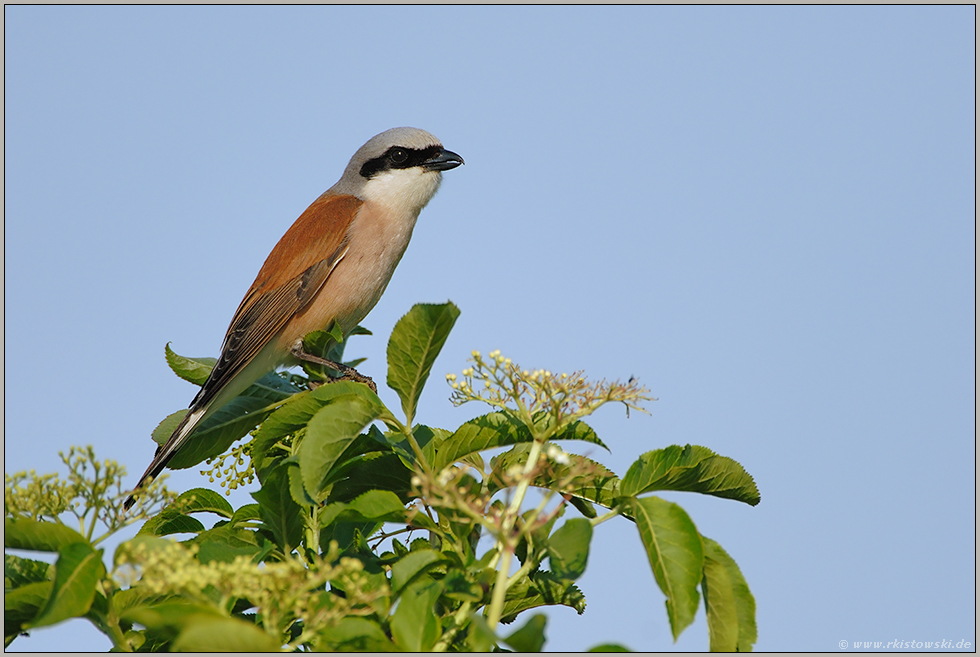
(347, 373)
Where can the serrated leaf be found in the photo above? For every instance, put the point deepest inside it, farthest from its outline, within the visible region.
(415, 343)
(412, 564)
(414, 625)
(568, 548)
(530, 637)
(170, 522)
(690, 468)
(203, 500)
(328, 434)
(76, 572)
(18, 571)
(728, 601)
(26, 534)
(499, 429)
(676, 555)
(541, 588)
(195, 370)
(280, 514)
(594, 483)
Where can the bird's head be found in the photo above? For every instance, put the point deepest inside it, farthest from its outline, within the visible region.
(400, 167)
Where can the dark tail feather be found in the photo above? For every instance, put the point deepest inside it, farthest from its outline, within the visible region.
(166, 452)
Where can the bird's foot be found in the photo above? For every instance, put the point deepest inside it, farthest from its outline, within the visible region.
(346, 373)
(353, 375)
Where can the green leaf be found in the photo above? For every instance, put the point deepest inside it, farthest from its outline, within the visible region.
(457, 586)
(676, 556)
(690, 468)
(728, 601)
(412, 564)
(609, 647)
(488, 431)
(414, 625)
(372, 471)
(415, 342)
(296, 488)
(229, 423)
(583, 506)
(354, 634)
(203, 500)
(202, 629)
(225, 543)
(135, 597)
(195, 370)
(499, 429)
(594, 482)
(170, 522)
(298, 411)
(428, 438)
(719, 605)
(578, 430)
(540, 589)
(372, 506)
(76, 572)
(18, 571)
(530, 638)
(480, 637)
(21, 605)
(212, 633)
(568, 548)
(26, 534)
(278, 510)
(244, 514)
(330, 431)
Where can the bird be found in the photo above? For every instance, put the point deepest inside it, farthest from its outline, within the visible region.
(331, 266)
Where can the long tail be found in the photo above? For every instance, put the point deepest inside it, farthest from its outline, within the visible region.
(166, 451)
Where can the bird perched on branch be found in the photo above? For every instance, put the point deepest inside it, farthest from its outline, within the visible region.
(331, 266)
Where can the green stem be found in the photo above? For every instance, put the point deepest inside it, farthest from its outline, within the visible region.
(116, 635)
(529, 565)
(500, 589)
(604, 517)
(506, 541)
(459, 618)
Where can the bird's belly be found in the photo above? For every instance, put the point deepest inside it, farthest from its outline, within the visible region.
(355, 285)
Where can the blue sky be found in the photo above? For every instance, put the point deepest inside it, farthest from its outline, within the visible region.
(767, 214)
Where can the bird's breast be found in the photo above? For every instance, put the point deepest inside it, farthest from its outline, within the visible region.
(378, 237)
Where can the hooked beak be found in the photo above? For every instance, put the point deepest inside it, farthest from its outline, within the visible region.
(444, 161)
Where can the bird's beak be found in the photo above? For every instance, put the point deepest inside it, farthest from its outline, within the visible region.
(444, 161)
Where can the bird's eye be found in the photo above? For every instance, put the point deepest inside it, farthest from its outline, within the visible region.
(399, 155)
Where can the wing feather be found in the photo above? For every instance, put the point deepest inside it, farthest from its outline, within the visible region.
(294, 272)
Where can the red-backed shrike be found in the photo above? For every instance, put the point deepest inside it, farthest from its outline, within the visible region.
(332, 265)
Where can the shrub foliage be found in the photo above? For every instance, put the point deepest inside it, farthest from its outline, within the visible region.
(371, 530)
